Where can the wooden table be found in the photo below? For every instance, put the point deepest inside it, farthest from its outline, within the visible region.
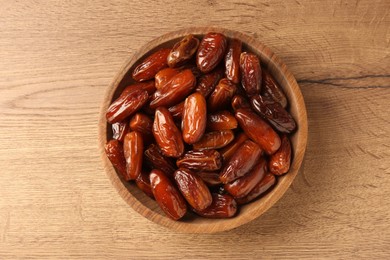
(57, 59)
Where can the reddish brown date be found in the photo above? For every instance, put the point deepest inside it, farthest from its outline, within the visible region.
(149, 86)
(242, 161)
(164, 76)
(207, 82)
(221, 96)
(250, 73)
(274, 113)
(223, 120)
(239, 101)
(194, 118)
(183, 51)
(143, 124)
(223, 206)
(114, 152)
(279, 162)
(206, 160)
(166, 133)
(126, 105)
(214, 140)
(177, 111)
(154, 157)
(232, 61)
(265, 184)
(271, 88)
(210, 178)
(176, 90)
(119, 130)
(258, 130)
(194, 190)
(143, 183)
(133, 148)
(242, 186)
(228, 151)
(167, 196)
(211, 51)
(149, 67)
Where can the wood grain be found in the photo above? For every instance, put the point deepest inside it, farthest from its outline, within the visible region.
(57, 59)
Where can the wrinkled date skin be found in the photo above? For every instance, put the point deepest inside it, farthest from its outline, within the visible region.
(265, 184)
(221, 96)
(223, 206)
(149, 67)
(143, 183)
(214, 140)
(164, 76)
(242, 161)
(119, 130)
(223, 120)
(271, 88)
(194, 190)
(166, 133)
(143, 124)
(210, 178)
(207, 82)
(258, 130)
(239, 101)
(279, 162)
(176, 90)
(148, 86)
(167, 196)
(211, 51)
(274, 113)
(133, 148)
(183, 51)
(242, 186)
(250, 73)
(126, 105)
(232, 61)
(177, 111)
(206, 160)
(114, 152)
(194, 118)
(228, 151)
(155, 158)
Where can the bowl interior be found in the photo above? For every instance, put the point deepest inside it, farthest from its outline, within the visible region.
(192, 223)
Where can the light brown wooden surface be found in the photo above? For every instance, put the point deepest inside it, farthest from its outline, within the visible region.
(57, 59)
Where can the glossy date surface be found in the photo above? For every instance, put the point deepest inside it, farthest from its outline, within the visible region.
(194, 190)
(274, 113)
(167, 195)
(205, 160)
(211, 51)
(166, 134)
(258, 130)
(242, 161)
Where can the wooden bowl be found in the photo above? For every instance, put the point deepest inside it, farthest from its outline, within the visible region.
(194, 224)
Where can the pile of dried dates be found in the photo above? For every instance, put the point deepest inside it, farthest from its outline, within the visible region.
(203, 128)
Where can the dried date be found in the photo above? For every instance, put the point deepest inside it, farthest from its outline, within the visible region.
(193, 188)
(205, 160)
(166, 133)
(211, 51)
(274, 113)
(258, 130)
(149, 67)
(242, 161)
(167, 196)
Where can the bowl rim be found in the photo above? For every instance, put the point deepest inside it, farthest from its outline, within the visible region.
(271, 198)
